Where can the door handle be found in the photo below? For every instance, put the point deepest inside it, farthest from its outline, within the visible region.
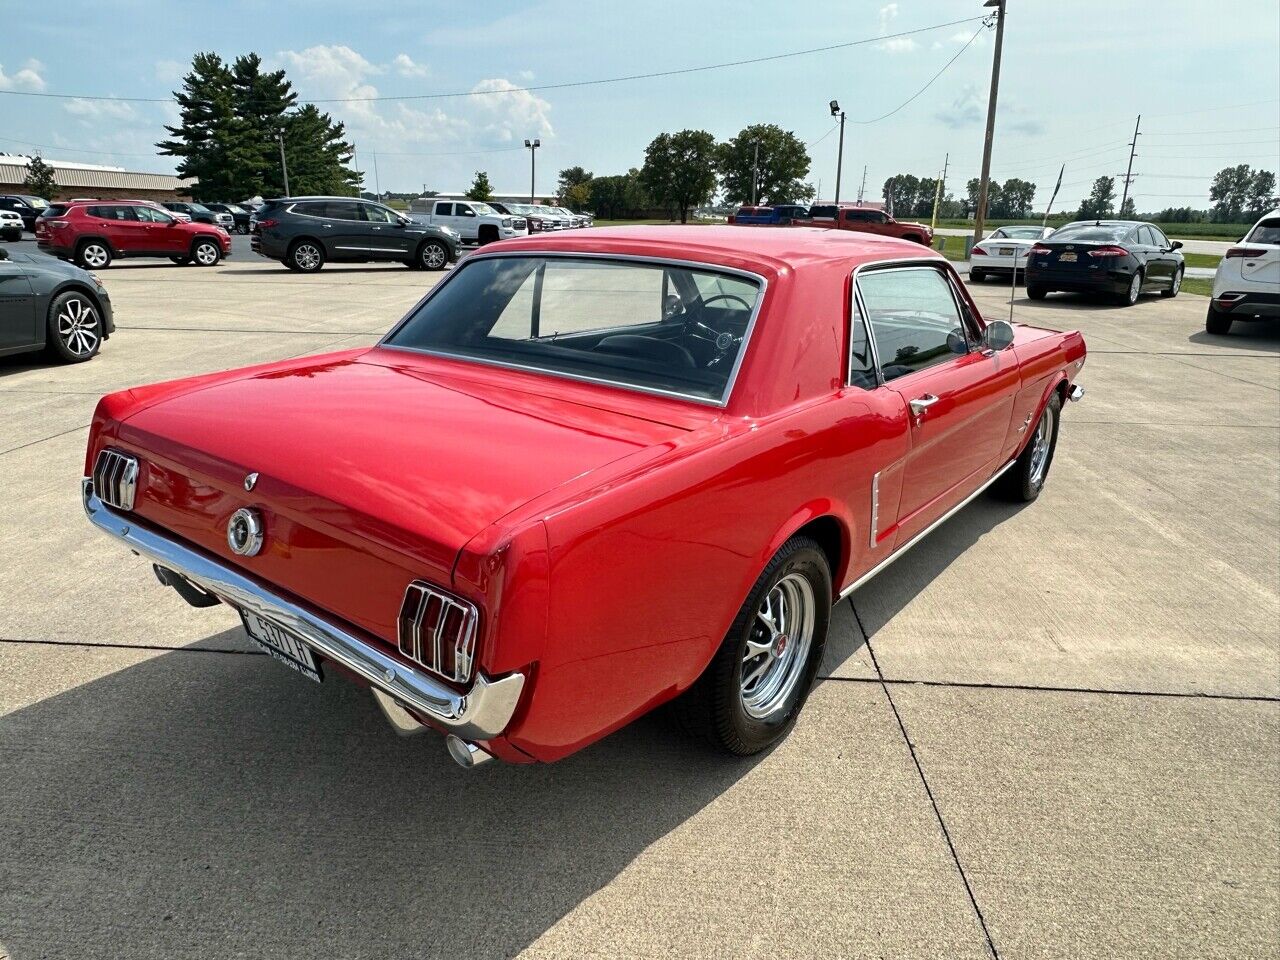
(920, 404)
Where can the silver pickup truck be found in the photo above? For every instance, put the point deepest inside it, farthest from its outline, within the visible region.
(475, 221)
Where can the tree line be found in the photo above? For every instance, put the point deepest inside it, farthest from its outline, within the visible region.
(232, 117)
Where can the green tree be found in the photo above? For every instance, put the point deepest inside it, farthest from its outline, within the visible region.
(1229, 192)
(263, 103)
(679, 169)
(776, 159)
(1016, 198)
(573, 188)
(995, 197)
(900, 193)
(204, 141)
(1101, 201)
(1261, 196)
(480, 187)
(39, 181)
(1128, 209)
(618, 197)
(318, 154)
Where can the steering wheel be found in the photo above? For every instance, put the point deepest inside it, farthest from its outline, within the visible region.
(726, 296)
(722, 340)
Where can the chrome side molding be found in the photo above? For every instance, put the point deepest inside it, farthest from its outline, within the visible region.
(481, 713)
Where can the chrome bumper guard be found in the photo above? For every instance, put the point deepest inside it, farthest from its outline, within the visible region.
(481, 713)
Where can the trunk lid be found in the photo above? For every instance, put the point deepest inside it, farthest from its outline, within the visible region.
(370, 473)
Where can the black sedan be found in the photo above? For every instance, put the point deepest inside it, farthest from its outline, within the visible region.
(1121, 259)
(46, 304)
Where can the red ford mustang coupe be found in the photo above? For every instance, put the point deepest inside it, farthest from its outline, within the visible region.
(589, 473)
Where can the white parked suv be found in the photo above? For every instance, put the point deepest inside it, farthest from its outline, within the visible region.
(1247, 284)
(475, 221)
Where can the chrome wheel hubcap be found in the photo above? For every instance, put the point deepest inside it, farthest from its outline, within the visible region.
(1135, 287)
(206, 254)
(307, 257)
(1040, 447)
(78, 327)
(777, 649)
(1177, 281)
(434, 256)
(95, 255)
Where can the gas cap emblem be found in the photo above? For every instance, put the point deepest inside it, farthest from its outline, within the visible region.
(244, 532)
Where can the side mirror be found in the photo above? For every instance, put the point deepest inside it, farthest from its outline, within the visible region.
(998, 335)
(1176, 245)
(402, 222)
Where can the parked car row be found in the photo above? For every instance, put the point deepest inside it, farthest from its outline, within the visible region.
(833, 216)
(25, 206)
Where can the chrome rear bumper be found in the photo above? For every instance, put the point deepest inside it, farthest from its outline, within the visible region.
(481, 713)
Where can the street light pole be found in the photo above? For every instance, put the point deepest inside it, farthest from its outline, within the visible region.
(837, 112)
(284, 166)
(755, 167)
(533, 145)
(980, 214)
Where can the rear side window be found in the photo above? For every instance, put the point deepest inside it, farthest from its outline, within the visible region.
(113, 213)
(1267, 231)
(343, 210)
(54, 210)
(913, 317)
(823, 211)
(313, 208)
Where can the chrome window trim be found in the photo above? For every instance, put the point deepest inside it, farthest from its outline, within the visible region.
(725, 395)
(896, 263)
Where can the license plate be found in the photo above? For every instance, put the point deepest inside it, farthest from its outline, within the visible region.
(1004, 251)
(281, 644)
(1067, 258)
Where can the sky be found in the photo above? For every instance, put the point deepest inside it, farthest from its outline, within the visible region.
(1205, 75)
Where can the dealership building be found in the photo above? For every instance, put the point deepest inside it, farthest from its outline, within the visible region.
(93, 181)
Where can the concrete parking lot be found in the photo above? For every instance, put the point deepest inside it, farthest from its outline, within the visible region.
(1048, 731)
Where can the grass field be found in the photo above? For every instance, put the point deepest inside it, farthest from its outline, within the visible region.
(1197, 286)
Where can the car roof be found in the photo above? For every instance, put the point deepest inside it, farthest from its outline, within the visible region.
(799, 248)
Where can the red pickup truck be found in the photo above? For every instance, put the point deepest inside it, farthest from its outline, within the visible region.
(867, 220)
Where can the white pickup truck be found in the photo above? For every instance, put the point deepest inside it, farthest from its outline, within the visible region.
(475, 221)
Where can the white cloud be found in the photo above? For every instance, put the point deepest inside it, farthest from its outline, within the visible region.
(169, 71)
(27, 78)
(966, 110)
(512, 115)
(889, 13)
(93, 110)
(405, 66)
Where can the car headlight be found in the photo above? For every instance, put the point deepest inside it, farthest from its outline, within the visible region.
(506, 221)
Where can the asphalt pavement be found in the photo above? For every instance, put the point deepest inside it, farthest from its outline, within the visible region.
(1048, 731)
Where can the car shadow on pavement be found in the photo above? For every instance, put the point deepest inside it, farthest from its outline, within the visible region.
(215, 804)
(1261, 335)
(885, 596)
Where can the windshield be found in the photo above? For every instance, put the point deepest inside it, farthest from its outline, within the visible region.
(1018, 233)
(483, 209)
(38, 202)
(1093, 233)
(648, 326)
(1267, 231)
(199, 208)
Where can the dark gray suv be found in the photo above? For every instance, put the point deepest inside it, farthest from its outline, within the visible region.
(304, 233)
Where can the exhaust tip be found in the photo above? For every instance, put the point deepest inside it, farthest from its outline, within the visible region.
(465, 755)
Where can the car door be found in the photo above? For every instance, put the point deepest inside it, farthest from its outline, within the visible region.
(959, 395)
(1169, 258)
(17, 306)
(1145, 249)
(163, 233)
(466, 222)
(118, 223)
(387, 232)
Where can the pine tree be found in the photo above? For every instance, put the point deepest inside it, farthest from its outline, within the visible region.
(262, 103)
(481, 189)
(206, 138)
(39, 181)
(318, 154)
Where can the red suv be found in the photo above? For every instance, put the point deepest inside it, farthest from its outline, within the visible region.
(94, 232)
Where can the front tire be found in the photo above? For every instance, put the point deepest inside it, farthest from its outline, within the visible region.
(433, 255)
(1217, 322)
(306, 256)
(1174, 285)
(205, 253)
(749, 696)
(1023, 481)
(73, 328)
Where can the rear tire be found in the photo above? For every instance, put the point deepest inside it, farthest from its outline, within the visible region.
(1174, 285)
(1036, 292)
(749, 696)
(1130, 296)
(93, 255)
(305, 256)
(977, 276)
(1217, 322)
(1023, 481)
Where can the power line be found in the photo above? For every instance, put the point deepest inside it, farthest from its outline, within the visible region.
(552, 86)
(885, 116)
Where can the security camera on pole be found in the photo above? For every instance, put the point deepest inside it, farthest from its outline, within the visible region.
(533, 145)
(837, 112)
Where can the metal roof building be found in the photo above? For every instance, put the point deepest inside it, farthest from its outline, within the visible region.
(89, 180)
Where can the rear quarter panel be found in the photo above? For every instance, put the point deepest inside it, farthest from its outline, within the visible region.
(1048, 360)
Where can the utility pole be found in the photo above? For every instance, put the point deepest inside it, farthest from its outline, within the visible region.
(377, 184)
(980, 214)
(862, 189)
(937, 194)
(284, 166)
(533, 145)
(1128, 174)
(837, 112)
(755, 166)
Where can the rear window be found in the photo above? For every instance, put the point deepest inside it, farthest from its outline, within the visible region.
(1093, 233)
(648, 326)
(55, 210)
(1267, 231)
(823, 211)
(1018, 233)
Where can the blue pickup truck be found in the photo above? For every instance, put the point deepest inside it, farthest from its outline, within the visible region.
(780, 215)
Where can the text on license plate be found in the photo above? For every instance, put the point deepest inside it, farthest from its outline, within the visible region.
(281, 644)
(1004, 251)
(1067, 258)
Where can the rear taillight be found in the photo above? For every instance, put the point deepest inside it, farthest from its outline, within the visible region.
(438, 631)
(1040, 248)
(263, 224)
(1109, 252)
(1248, 253)
(54, 223)
(979, 251)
